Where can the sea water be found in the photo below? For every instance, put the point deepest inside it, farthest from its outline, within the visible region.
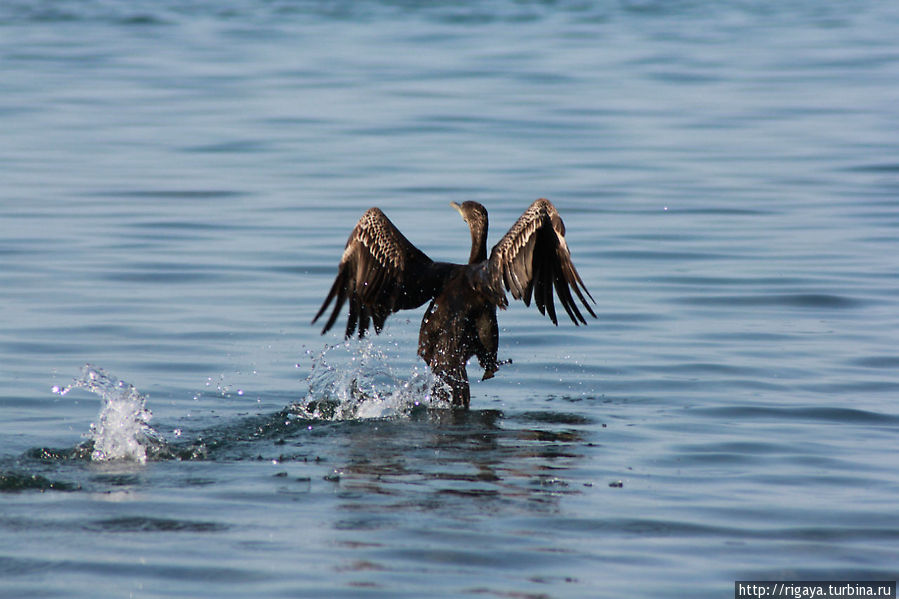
(178, 180)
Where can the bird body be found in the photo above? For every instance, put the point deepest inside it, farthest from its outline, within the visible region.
(381, 272)
(458, 324)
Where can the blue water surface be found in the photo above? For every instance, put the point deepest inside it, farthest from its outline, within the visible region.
(177, 182)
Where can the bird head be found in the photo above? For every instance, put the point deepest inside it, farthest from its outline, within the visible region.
(472, 213)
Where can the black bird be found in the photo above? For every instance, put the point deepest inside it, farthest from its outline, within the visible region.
(381, 272)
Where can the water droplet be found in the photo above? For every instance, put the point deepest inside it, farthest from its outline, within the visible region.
(122, 430)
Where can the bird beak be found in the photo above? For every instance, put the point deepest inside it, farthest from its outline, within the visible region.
(458, 209)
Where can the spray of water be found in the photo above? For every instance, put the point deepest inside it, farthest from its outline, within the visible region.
(122, 430)
(348, 381)
(354, 380)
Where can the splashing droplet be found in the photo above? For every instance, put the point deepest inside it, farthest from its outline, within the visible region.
(354, 380)
(122, 430)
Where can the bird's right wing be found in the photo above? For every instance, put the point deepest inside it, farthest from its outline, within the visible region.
(380, 272)
(533, 258)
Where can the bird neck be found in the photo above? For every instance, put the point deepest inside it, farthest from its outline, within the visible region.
(478, 243)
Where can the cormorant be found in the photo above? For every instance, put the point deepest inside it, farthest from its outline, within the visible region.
(381, 272)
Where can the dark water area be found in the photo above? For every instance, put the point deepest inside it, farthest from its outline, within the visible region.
(177, 182)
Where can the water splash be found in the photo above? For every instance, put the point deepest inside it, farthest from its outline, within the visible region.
(348, 381)
(122, 430)
(354, 380)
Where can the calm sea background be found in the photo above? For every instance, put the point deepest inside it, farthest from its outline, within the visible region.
(177, 181)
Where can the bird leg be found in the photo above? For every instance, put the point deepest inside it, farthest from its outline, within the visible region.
(457, 380)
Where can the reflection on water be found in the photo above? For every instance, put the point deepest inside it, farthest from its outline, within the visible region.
(457, 458)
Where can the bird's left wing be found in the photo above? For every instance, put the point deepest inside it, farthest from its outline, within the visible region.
(533, 258)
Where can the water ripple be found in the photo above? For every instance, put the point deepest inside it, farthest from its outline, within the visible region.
(787, 300)
(824, 414)
(141, 524)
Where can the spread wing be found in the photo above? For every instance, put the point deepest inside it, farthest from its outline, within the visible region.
(533, 258)
(380, 272)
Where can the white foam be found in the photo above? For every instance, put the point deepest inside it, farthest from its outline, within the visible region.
(122, 430)
(355, 380)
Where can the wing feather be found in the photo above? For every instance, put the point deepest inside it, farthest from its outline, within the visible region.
(533, 258)
(380, 272)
